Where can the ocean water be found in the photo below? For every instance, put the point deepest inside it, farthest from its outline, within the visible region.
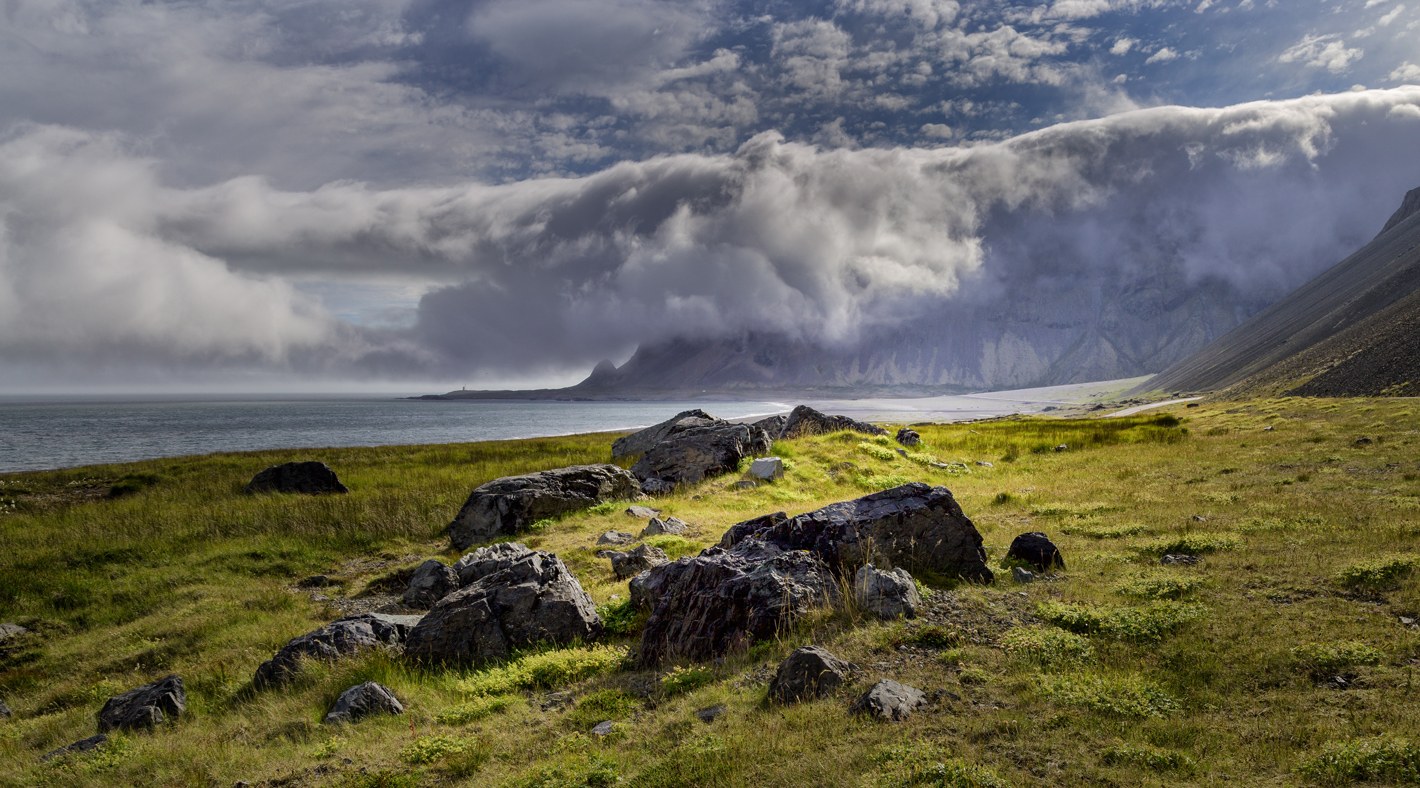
(40, 434)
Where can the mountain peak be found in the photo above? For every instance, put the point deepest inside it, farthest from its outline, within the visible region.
(1408, 207)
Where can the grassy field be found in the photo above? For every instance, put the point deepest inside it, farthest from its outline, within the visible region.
(1117, 672)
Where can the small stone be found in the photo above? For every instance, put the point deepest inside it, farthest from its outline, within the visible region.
(315, 581)
(887, 595)
(710, 714)
(1022, 575)
(1063, 447)
(908, 437)
(767, 468)
(83, 745)
(658, 527)
(940, 465)
(1198, 518)
(744, 484)
(1268, 428)
(984, 464)
(889, 700)
(5, 710)
(1363, 441)
(1036, 549)
(146, 707)
(616, 537)
(1407, 621)
(604, 728)
(903, 452)
(1180, 560)
(643, 512)
(809, 672)
(361, 701)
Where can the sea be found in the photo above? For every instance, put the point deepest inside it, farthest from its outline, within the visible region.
(65, 432)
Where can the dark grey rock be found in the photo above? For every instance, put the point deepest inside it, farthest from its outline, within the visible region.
(646, 589)
(315, 581)
(339, 638)
(658, 527)
(625, 565)
(1036, 549)
(909, 437)
(616, 537)
(887, 595)
(889, 700)
(83, 745)
(361, 701)
(534, 600)
(145, 707)
(487, 560)
(9, 630)
(1181, 560)
(432, 581)
(915, 526)
(767, 468)
(644, 440)
(506, 506)
(310, 478)
(604, 728)
(804, 420)
(710, 714)
(690, 455)
(1022, 575)
(809, 672)
(773, 426)
(5, 710)
(725, 600)
(644, 512)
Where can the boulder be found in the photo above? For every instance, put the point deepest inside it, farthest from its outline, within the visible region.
(337, 639)
(1022, 575)
(909, 437)
(5, 710)
(604, 729)
(144, 708)
(8, 631)
(432, 581)
(646, 589)
(724, 600)
(767, 468)
(644, 512)
(915, 526)
(535, 599)
(486, 560)
(889, 700)
(670, 525)
(616, 537)
(644, 440)
(310, 478)
(361, 701)
(887, 595)
(83, 745)
(804, 420)
(626, 565)
(810, 672)
(505, 506)
(1036, 549)
(688, 456)
(773, 426)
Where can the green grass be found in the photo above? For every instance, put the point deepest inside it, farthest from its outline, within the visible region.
(1122, 672)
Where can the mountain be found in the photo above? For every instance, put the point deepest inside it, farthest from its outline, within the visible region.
(1350, 331)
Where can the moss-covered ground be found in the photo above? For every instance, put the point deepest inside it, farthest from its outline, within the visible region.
(1120, 671)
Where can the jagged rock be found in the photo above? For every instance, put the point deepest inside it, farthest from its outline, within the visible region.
(809, 672)
(1022, 575)
(361, 701)
(644, 440)
(887, 595)
(625, 565)
(908, 437)
(670, 525)
(486, 560)
(9, 630)
(145, 707)
(804, 421)
(505, 506)
(535, 599)
(643, 512)
(83, 745)
(689, 455)
(889, 700)
(1181, 560)
(311, 478)
(773, 426)
(337, 639)
(616, 537)
(646, 589)
(767, 468)
(914, 526)
(432, 581)
(724, 600)
(1036, 549)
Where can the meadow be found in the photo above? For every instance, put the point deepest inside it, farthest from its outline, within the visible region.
(1286, 657)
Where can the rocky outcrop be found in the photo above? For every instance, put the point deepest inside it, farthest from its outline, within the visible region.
(724, 600)
(887, 595)
(690, 455)
(644, 440)
(773, 426)
(310, 478)
(487, 560)
(535, 599)
(673, 526)
(645, 557)
(506, 506)
(804, 421)
(337, 639)
(144, 708)
(432, 581)
(1036, 549)
(809, 672)
(915, 526)
(889, 700)
(362, 700)
(909, 437)
(647, 588)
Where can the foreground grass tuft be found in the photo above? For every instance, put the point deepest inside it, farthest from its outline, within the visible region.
(1392, 760)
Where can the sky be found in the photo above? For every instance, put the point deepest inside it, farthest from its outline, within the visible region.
(313, 194)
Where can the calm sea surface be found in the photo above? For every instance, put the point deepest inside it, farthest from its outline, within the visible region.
(40, 434)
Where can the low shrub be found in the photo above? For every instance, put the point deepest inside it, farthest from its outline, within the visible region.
(1173, 586)
(545, 669)
(928, 765)
(610, 704)
(686, 679)
(1380, 573)
(1380, 758)
(431, 749)
(1047, 647)
(1328, 659)
(1129, 696)
(1190, 544)
(622, 618)
(1138, 624)
(474, 710)
(1151, 758)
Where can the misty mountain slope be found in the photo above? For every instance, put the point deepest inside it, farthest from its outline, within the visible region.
(1377, 276)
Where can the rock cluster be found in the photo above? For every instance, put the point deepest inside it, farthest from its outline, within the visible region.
(145, 707)
(337, 639)
(506, 506)
(310, 478)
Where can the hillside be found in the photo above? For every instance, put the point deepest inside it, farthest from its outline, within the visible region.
(1284, 657)
(1364, 297)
